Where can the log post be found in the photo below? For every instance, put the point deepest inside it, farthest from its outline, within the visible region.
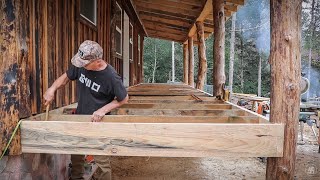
(191, 62)
(219, 76)
(14, 74)
(202, 68)
(185, 63)
(285, 60)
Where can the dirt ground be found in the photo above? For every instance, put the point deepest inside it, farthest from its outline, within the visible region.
(145, 168)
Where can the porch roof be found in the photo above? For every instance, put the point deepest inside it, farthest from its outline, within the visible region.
(174, 20)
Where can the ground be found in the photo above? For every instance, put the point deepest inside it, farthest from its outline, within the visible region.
(145, 168)
(151, 168)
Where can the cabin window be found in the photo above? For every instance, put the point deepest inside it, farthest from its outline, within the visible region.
(88, 10)
(139, 54)
(118, 32)
(131, 42)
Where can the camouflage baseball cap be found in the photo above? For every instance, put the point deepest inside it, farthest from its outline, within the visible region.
(88, 51)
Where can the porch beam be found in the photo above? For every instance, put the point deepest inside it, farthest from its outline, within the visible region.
(218, 48)
(174, 106)
(202, 66)
(181, 112)
(285, 60)
(152, 139)
(150, 119)
(174, 101)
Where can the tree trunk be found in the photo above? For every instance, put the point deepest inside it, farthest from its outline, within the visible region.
(285, 60)
(259, 77)
(312, 25)
(241, 64)
(219, 77)
(202, 71)
(191, 62)
(232, 42)
(185, 63)
(173, 68)
(155, 61)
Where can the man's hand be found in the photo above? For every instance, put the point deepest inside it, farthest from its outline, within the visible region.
(49, 96)
(98, 115)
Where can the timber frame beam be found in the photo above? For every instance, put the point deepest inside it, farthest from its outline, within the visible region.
(176, 125)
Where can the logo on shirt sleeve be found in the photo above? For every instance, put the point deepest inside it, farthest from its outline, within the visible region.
(84, 80)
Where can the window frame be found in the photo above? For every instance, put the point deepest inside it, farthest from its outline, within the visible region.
(119, 29)
(139, 52)
(131, 42)
(85, 19)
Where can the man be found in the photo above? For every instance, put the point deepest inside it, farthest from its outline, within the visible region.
(100, 90)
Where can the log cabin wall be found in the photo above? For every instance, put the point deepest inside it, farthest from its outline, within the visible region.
(39, 37)
(56, 31)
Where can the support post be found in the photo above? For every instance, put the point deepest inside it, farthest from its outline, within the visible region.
(14, 75)
(219, 76)
(259, 76)
(173, 68)
(285, 60)
(232, 43)
(185, 63)
(191, 62)
(202, 68)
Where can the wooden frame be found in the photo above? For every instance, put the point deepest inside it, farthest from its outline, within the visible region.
(205, 127)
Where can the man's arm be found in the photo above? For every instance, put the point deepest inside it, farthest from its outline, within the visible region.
(60, 82)
(98, 115)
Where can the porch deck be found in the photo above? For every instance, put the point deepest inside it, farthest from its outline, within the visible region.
(166, 120)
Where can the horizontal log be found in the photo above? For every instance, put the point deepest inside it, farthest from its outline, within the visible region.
(180, 112)
(175, 106)
(132, 101)
(188, 97)
(153, 139)
(166, 93)
(151, 119)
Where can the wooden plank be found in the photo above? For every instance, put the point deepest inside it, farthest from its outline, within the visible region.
(158, 12)
(153, 139)
(179, 5)
(161, 97)
(174, 101)
(167, 36)
(167, 19)
(167, 93)
(180, 112)
(151, 119)
(152, 6)
(175, 106)
(164, 28)
(161, 32)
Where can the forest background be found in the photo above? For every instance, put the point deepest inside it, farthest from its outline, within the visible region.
(252, 43)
